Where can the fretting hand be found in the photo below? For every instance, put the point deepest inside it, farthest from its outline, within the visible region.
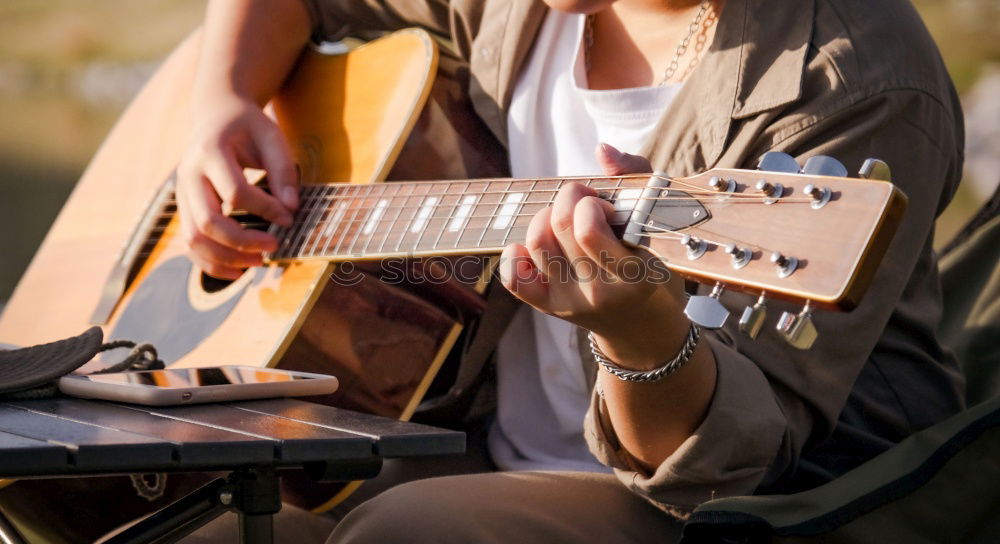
(574, 267)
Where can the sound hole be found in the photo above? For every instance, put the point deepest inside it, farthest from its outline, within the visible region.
(247, 221)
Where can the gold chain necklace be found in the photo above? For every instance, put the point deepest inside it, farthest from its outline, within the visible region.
(682, 47)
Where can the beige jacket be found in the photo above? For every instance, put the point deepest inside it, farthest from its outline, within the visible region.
(847, 78)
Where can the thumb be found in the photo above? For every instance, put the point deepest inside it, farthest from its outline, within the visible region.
(615, 163)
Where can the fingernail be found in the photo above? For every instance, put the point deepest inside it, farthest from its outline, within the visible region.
(290, 197)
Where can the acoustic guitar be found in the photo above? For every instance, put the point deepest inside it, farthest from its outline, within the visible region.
(353, 119)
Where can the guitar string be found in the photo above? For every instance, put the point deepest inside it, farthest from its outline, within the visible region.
(351, 225)
(309, 234)
(324, 194)
(675, 235)
(678, 181)
(366, 218)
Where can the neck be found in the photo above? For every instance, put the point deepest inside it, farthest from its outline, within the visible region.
(343, 221)
(635, 41)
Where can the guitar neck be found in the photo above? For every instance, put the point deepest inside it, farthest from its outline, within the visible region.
(338, 222)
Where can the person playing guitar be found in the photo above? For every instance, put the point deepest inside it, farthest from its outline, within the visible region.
(681, 414)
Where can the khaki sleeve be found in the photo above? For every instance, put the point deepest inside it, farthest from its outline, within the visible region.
(772, 402)
(727, 455)
(456, 21)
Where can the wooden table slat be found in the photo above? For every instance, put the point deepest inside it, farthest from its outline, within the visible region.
(394, 438)
(20, 455)
(298, 440)
(91, 447)
(193, 443)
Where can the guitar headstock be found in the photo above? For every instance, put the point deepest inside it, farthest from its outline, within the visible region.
(806, 234)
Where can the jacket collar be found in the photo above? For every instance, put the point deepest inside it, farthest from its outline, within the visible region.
(755, 63)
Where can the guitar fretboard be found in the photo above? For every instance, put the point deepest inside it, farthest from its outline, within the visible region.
(344, 221)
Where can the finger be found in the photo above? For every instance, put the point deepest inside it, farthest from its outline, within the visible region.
(276, 156)
(615, 163)
(215, 260)
(561, 221)
(521, 277)
(231, 185)
(213, 252)
(544, 248)
(595, 237)
(208, 220)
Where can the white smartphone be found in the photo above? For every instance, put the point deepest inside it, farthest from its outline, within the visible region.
(195, 385)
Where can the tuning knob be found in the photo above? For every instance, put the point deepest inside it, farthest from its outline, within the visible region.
(875, 169)
(798, 330)
(741, 255)
(695, 247)
(707, 311)
(820, 195)
(752, 320)
(720, 185)
(822, 165)
(771, 192)
(776, 161)
(786, 265)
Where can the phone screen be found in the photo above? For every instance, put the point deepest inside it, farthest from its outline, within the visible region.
(193, 377)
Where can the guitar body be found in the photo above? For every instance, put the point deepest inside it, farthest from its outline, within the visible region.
(349, 118)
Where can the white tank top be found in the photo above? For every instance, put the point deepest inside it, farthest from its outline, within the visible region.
(554, 124)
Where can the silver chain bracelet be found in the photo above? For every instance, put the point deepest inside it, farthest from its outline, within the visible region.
(655, 374)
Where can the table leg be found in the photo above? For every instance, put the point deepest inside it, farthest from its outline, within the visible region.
(8, 533)
(253, 494)
(177, 519)
(256, 497)
(256, 529)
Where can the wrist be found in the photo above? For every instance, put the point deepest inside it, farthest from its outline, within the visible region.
(664, 369)
(647, 351)
(652, 334)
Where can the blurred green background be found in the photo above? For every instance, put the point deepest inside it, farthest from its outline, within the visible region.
(68, 67)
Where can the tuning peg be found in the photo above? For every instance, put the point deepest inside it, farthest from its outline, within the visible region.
(771, 192)
(752, 320)
(798, 330)
(741, 255)
(707, 311)
(822, 165)
(875, 169)
(695, 247)
(776, 161)
(820, 195)
(786, 265)
(721, 185)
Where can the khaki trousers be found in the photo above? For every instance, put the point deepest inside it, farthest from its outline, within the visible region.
(463, 499)
(504, 507)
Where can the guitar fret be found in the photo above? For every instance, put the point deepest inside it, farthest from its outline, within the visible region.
(521, 202)
(373, 226)
(399, 212)
(464, 211)
(423, 214)
(363, 227)
(350, 223)
(334, 221)
(322, 222)
(420, 235)
(446, 224)
(292, 247)
(493, 213)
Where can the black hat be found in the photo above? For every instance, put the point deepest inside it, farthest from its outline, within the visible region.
(36, 366)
